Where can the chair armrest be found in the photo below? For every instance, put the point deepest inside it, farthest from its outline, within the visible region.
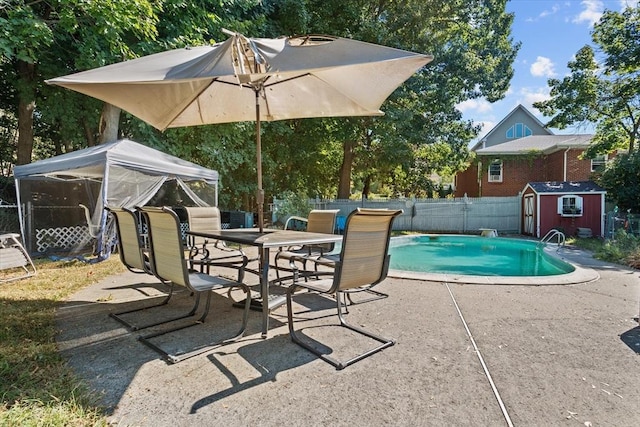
(294, 218)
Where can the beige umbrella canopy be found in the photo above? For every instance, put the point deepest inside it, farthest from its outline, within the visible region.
(244, 79)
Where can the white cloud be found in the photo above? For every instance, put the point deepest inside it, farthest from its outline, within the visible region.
(554, 10)
(543, 67)
(529, 95)
(475, 105)
(591, 13)
(628, 3)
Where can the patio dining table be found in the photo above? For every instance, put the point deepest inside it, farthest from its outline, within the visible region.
(265, 241)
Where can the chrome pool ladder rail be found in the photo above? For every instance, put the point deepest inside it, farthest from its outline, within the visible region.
(551, 234)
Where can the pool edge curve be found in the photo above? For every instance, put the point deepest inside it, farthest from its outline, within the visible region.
(579, 275)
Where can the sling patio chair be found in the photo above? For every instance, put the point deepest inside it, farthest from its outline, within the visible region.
(169, 264)
(134, 254)
(14, 259)
(318, 221)
(131, 248)
(363, 261)
(330, 260)
(204, 253)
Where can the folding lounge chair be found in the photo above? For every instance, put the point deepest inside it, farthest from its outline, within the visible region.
(319, 221)
(204, 253)
(170, 265)
(135, 256)
(14, 257)
(363, 261)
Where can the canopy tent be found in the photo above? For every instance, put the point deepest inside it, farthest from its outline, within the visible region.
(118, 174)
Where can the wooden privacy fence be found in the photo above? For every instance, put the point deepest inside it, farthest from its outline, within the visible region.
(459, 215)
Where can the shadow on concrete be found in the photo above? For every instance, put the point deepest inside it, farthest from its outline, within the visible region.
(632, 339)
(96, 344)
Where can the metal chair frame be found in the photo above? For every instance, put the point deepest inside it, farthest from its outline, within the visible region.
(170, 265)
(319, 221)
(363, 261)
(134, 254)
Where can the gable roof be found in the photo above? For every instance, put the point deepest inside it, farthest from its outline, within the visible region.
(573, 187)
(518, 108)
(546, 144)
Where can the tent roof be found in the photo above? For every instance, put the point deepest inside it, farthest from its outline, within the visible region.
(90, 162)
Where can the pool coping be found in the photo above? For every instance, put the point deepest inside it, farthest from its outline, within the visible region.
(579, 275)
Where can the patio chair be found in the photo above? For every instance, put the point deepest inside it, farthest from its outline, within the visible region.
(205, 253)
(135, 256)
(363, 261)
(14, 257)
(319, 221)
(131, 248)
(170, 265)
(330, 260)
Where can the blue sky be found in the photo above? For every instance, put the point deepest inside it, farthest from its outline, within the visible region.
(551, 32)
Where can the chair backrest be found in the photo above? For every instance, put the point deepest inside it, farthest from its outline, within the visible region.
(364, 258)
(166, 246)
(322, 221)
(202, 219)
(129, 243)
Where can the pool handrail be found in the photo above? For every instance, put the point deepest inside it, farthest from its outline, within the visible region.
(561, 239)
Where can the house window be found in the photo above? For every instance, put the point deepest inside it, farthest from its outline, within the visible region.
(518, 130)
(598, 162)
(495, 171)
(570, 205)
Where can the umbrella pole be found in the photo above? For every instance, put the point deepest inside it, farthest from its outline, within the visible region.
(260, 193)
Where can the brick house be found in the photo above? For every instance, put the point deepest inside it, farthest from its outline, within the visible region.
(520, 150)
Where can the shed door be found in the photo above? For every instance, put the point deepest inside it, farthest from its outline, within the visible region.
(528, 215)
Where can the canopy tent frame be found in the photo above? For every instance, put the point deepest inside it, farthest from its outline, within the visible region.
(130, 174)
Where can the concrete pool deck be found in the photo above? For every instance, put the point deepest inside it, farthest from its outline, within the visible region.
(465, 355)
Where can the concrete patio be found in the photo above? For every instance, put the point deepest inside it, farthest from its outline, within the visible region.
(466, 354)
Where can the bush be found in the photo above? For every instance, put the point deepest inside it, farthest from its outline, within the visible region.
(291, 203)
(624, 248)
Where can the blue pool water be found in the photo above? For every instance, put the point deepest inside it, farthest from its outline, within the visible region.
(473, 255)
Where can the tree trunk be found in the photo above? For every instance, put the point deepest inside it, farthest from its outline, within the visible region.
(89, 133)
(26, 106)
(366, 189)
(344, 186)
(109, 121)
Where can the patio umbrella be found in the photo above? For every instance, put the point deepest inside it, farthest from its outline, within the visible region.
(245, 79)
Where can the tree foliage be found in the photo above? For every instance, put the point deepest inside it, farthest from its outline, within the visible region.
(422, 132)
(603, 89)
(622, 181)
(473, 52)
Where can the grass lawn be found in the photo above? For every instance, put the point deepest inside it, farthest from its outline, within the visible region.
(36, 386)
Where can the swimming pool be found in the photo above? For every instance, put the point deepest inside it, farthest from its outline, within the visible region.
(570, 257)
(474, 256)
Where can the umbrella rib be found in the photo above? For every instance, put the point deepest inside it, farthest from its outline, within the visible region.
(287, 80)
(197, 95)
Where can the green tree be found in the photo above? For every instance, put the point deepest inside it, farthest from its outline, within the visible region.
(421, 133)
(622, 181)
(473, 52)
(603, 90)
(43, 39)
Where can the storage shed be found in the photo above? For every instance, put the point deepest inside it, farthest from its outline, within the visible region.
(575, 208)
